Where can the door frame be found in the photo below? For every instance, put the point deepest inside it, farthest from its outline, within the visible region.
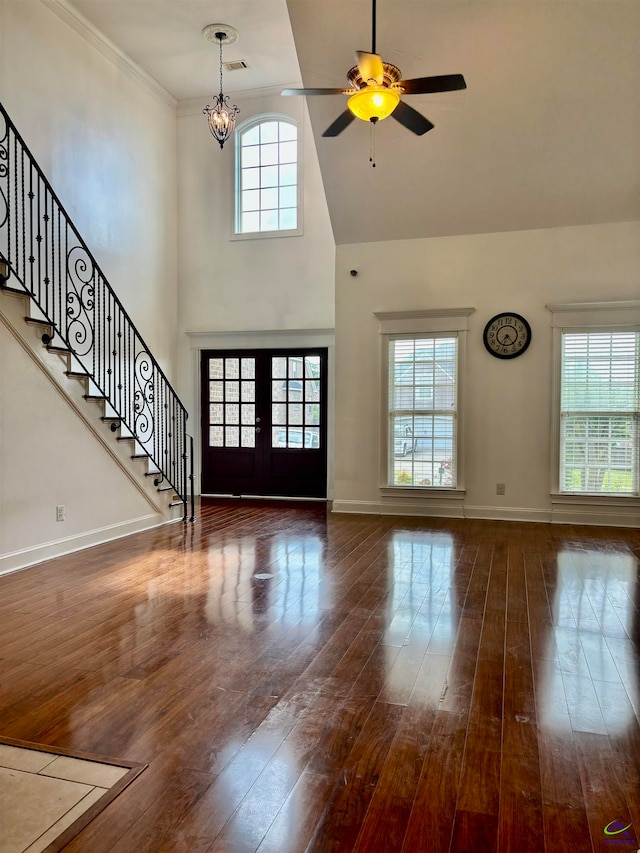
(258, 340)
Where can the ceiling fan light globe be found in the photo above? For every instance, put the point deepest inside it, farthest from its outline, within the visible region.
(373, 102)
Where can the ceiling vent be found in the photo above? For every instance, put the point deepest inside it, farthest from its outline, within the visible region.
(235, 65)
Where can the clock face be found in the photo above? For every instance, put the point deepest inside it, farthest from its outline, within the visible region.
(507, 335)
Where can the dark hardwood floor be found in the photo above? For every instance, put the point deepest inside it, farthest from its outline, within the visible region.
(298, 682)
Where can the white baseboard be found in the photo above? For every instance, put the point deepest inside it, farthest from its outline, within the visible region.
(433, 510)
(26, 557)
(575, 514)
(570, 515)
(508, 513)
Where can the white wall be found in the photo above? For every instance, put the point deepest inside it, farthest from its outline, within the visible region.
(107, 143)
(507, 403)
(108, 147)
(248, 284)
(48, 458)
(254, 292)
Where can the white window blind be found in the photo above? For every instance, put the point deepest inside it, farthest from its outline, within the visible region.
(422, 411)
(600, 412)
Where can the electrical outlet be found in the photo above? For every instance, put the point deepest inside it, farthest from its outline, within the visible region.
(60, 512)
(500, 489)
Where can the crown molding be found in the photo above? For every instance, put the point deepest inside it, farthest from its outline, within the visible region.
(193, 106)
(259, 333)
(97, 39)
(626, 305)
(590, 314)
(423, 313)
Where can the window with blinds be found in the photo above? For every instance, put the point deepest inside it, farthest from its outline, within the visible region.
(600, 412)
(422, 411)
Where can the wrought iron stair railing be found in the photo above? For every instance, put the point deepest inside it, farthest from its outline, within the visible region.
(51, 263)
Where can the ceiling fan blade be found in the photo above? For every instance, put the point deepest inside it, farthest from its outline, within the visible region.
(431, 85)
(370, 67)
(317, 92)
(411, 119)
(343, 120)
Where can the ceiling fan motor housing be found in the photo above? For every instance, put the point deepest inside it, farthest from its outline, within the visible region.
(391, 75)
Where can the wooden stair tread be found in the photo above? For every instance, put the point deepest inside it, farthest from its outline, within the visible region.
(34, 321)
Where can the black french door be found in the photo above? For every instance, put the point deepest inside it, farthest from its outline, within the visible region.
(264, 422)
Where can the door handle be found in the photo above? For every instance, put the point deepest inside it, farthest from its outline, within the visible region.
(258, 429)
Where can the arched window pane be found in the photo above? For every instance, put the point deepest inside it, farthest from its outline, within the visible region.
(251, 136)
(288, 219)
(269, 220)
(267, 177)
(287, 131)
(250, 179)
(268, 132)
(250, 156)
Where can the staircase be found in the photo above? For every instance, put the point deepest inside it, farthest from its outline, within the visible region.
(80, 319)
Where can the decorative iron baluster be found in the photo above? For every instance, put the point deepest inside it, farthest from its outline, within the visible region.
(50, 262)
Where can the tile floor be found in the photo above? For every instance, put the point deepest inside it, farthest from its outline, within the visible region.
(43, 793)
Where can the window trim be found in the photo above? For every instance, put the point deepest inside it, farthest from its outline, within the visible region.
(396, 325)
(584, 317)
(241, 129)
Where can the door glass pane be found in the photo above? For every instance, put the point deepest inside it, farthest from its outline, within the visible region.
(295, 437)
(232, 436)
(215, 368)
(215, 392)
(278, 367)
(248, 391)
(215, 436)
(312, 414)
(312, 437)
(278, 414)
(295, 413)
(216, 415)
(248, 368)
(232, 392)
(295, 367)
(279, 437)
(279, 390)
(232, 413)
(312, 366)
(248, 436)
(312, 390)
(295, 390)
(248, 413)
(232, 368)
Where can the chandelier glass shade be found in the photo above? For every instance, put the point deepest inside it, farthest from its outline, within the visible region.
(373, 103)
(221, 116)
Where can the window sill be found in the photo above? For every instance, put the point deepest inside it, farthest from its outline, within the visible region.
(587, 498)
(266, 235)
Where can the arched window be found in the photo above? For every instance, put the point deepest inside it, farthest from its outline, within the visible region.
(267, 184)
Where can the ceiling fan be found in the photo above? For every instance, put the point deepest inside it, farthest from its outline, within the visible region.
(376, 88)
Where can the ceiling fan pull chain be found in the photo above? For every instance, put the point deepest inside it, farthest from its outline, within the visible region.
(372, 143)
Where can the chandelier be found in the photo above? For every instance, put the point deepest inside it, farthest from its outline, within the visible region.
(221, 116)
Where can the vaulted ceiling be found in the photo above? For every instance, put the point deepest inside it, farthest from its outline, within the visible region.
(547, 133)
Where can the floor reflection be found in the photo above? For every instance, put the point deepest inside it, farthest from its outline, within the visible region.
(279, 576)
(588, 680)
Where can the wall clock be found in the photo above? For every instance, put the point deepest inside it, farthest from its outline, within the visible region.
(507, 335)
